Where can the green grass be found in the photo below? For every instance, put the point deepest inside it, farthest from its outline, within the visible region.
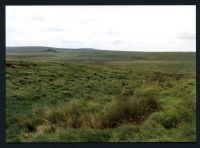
(100, 96)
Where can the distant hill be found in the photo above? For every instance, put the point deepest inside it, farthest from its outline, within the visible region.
(26, 49)
(100, 55)
(46, 49)
(50, 50)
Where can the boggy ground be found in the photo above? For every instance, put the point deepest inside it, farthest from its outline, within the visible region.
(62, 101)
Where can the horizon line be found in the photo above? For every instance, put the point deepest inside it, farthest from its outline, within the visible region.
(97, 49)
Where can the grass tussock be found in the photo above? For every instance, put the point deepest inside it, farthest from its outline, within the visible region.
(129, 109)
(65, 115)
(93, 120)
(172, 118)
(120, 110)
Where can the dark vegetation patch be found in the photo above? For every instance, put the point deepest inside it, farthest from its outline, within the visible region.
(20, 64)
(50, 50)
(161, 77)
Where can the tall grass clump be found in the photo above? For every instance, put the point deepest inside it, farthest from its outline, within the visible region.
(168, 119)
(65, 115)
(93, 120)
(77, 114)
(29, 124)
(128, 109)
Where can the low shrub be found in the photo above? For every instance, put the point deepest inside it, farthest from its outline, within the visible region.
(168, 119)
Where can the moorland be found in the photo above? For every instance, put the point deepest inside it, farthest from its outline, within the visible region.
(89, 95)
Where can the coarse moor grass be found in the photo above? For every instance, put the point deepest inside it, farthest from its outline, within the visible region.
(100, 96)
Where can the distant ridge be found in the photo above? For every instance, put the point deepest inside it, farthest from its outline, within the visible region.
(106, 55)
(44, 49)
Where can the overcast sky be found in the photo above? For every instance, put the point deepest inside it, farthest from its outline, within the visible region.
(135, 28)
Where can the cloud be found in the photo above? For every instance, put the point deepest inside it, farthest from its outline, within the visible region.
(54, 30)
(87, 21)
(187, 36)
(113, 33)
(140, 28)
(36, 18)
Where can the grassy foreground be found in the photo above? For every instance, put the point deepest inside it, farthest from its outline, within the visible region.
(83, 97)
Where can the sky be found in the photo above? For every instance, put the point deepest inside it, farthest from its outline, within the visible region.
(128, 28)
